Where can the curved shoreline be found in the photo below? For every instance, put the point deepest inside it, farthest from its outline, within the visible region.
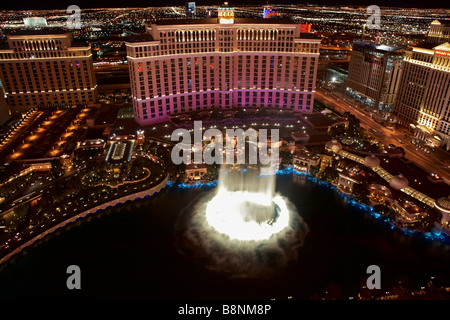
(134, 196)
(149, 192)
(368, 209)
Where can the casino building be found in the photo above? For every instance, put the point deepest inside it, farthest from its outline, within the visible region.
(423, 98)
(185, 65)
(439, 32)
(44, 67)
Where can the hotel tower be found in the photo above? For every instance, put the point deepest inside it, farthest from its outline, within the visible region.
(44, 68)
(373, 74)
(423, 98)
(185, 65)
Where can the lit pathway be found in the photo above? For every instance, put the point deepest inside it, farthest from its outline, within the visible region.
(387, 176)
(26, 122)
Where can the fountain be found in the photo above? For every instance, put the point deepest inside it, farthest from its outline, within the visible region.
(243, 228)
(245, 206)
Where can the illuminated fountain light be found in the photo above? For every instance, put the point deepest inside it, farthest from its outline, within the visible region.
(230, 214)
(246, 207)
(243, 228)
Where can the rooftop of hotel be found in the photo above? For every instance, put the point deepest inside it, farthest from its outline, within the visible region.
(428, 45)
(356, 173)
(194, 166)
(143, 37)
(274, 20)
(411, 207)
(147, 37)
(442, 22)
(368, 45)
(306, 156)
(35, 32)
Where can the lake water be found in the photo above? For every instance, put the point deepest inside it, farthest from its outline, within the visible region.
(129, 252)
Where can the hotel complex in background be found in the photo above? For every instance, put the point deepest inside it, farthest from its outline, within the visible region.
(186, 65)
(411, 87)
(44, 68)
(373, 74)
(439, 32)
(423, 95)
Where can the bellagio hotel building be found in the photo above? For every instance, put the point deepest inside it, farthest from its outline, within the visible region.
(185, 65)
(45, 67)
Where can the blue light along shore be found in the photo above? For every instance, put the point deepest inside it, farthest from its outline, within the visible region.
(130, 251)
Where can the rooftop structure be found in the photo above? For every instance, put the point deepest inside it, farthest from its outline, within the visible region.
(371, 161)
(333, 146)
(351, 176)
(439, 32)
(33, 22)
(195, 171)
(398, 182)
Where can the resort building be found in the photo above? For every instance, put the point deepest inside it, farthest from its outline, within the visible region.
(408, 211)
(349, 177)
(303, 163)
(373, 75)
(195, 171)
(45, 68)
(185, 65)
(439, 32)
(423, 99)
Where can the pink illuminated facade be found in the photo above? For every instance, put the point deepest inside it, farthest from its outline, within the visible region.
(182, 66)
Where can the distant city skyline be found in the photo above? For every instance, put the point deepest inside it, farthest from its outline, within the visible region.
(33, 5)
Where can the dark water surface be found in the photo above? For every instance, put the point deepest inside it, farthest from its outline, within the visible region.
(129, 252)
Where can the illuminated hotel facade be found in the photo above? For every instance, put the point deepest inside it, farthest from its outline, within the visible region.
(221, 63)
(439, 32)
(423, 99)
(42, 68)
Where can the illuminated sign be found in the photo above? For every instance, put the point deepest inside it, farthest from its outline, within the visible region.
(442, 53)
(268, 12)
(190, 7)
(226, 15)
(226, 21)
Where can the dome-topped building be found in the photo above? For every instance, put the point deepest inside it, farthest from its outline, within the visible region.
(443, 205)
(333, 146)
(398, 182)
(371, 161)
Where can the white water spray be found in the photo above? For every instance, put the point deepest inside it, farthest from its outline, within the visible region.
(243, 228)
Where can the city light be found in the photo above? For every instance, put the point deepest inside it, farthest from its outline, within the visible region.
(118, 130)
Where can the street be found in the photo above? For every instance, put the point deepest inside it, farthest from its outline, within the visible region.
(432, 163)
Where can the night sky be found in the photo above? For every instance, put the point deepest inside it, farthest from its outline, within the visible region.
(54, 4)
